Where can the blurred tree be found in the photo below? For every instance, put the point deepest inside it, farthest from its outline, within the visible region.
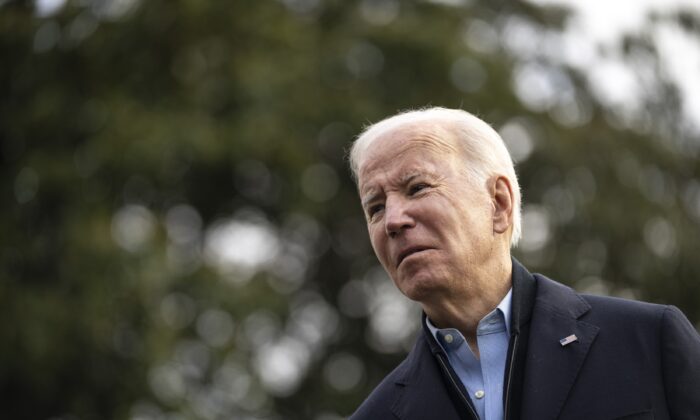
(180, 237)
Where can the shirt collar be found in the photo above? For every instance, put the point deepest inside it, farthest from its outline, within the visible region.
(504, 306)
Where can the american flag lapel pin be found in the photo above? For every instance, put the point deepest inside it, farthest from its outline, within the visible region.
(568, 340)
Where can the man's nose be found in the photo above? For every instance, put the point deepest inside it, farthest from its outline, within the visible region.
(397, 217)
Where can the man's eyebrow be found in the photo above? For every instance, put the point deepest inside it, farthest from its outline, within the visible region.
(408, 177)
(405, 179)
(370, 197)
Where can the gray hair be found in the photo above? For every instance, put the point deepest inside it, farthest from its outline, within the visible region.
(482, 146)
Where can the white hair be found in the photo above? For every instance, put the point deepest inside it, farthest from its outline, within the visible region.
(482, 146)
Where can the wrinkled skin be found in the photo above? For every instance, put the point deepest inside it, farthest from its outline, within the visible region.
(441, 236)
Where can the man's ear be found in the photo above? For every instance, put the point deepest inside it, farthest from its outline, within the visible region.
(502, 199)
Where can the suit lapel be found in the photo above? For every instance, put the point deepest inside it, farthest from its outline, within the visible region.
(551, 369)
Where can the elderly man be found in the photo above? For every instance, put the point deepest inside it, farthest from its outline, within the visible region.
(442, 203)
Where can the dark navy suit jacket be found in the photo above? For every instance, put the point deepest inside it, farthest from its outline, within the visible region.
(631, 360)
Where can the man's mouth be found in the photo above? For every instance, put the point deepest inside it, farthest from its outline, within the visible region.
(408, 252)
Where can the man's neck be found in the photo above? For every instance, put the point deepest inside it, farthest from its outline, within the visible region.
(464, 310)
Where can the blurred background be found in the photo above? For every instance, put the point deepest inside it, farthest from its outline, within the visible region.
(179, 235)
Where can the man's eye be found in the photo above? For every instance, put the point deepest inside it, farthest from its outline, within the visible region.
(416, 188)
(372, 210)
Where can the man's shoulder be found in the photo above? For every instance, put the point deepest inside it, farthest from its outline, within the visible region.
(378, 403)
(607, 307)
(418, 368)
(622, 304)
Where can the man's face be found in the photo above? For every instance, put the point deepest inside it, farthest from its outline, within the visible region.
(430, 226)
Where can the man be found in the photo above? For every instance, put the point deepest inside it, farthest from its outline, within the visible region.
(442, 203)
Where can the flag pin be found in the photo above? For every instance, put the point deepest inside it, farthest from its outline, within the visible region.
(568, 340)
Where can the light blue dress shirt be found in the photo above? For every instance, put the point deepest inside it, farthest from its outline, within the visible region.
(482, 377)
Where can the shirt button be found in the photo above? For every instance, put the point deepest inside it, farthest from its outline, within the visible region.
(479, 394)
(449, 338)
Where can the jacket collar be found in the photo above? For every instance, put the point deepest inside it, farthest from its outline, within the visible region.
(524, 292)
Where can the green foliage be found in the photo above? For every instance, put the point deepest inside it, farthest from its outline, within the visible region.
(178, 221)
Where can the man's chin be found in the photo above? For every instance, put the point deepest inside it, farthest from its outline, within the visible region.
(418, 288)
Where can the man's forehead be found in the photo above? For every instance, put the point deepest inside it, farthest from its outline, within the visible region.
(395, 144)
(401, 176)
(398, 173)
